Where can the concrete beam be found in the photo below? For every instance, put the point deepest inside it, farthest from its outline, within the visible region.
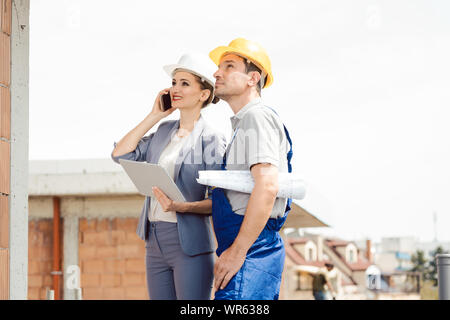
(88, 207)
(75, 184)
(78, 178)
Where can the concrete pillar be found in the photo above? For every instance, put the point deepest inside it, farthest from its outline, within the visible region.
(19, 150)
(70, 256)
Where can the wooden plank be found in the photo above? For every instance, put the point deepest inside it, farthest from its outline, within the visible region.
(5, 16)
(5, 113)
(5, 59)
(4, 274)
(5, 167)
(4, 222)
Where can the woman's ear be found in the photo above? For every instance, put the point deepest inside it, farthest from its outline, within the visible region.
(204, 96)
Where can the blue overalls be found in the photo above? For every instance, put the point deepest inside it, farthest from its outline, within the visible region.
(260, 276)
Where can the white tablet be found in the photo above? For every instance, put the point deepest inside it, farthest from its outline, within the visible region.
(147, 175)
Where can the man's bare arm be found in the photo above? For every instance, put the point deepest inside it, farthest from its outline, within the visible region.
(259, 206)
(258, 211)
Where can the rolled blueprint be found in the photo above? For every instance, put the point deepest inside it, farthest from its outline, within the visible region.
(289, 186)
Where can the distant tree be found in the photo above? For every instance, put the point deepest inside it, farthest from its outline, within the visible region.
(420, 262)
(432, 270)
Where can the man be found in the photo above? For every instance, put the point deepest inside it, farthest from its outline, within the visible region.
(320, 280)
(251, 252)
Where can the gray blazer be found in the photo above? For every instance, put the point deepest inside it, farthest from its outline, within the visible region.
(203, 150)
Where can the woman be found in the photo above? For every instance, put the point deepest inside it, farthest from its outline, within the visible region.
(179, 238)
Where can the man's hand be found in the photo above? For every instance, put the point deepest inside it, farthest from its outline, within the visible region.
(166, 203)
(227, 265)
(258, 212)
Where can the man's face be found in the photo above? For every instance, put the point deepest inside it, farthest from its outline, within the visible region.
(231, 78)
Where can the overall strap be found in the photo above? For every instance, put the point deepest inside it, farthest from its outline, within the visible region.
(289, 154)
(224, 161)
(289, 157)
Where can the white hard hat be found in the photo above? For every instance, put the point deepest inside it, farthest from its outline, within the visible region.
(196, 63)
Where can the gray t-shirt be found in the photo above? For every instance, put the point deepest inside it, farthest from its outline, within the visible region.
(259, 137)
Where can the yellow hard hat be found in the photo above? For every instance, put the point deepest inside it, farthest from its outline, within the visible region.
(247, 49)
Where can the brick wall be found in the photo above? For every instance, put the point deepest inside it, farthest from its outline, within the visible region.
(40, 258)
(112, 259)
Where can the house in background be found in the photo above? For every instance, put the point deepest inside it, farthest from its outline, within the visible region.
(307, 255)
(348, 258)
(393, 254)
(356, 274)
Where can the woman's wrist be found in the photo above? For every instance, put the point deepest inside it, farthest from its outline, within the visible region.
(154, 117)
(181, 206)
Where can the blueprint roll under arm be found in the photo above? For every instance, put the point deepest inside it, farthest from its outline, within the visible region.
(289, 186)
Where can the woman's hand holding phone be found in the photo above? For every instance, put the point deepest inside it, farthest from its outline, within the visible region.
(158, 108)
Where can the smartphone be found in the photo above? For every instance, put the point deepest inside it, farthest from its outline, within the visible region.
(166, 102)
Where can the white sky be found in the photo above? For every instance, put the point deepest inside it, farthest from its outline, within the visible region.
(363, 87)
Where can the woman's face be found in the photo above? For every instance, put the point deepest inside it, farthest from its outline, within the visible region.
(186, 92)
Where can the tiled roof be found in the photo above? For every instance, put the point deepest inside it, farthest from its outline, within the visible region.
(297, 257)
(362, 263)
(336, 242)
(298, 240)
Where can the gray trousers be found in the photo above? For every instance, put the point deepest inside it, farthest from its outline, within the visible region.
(171, 274)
